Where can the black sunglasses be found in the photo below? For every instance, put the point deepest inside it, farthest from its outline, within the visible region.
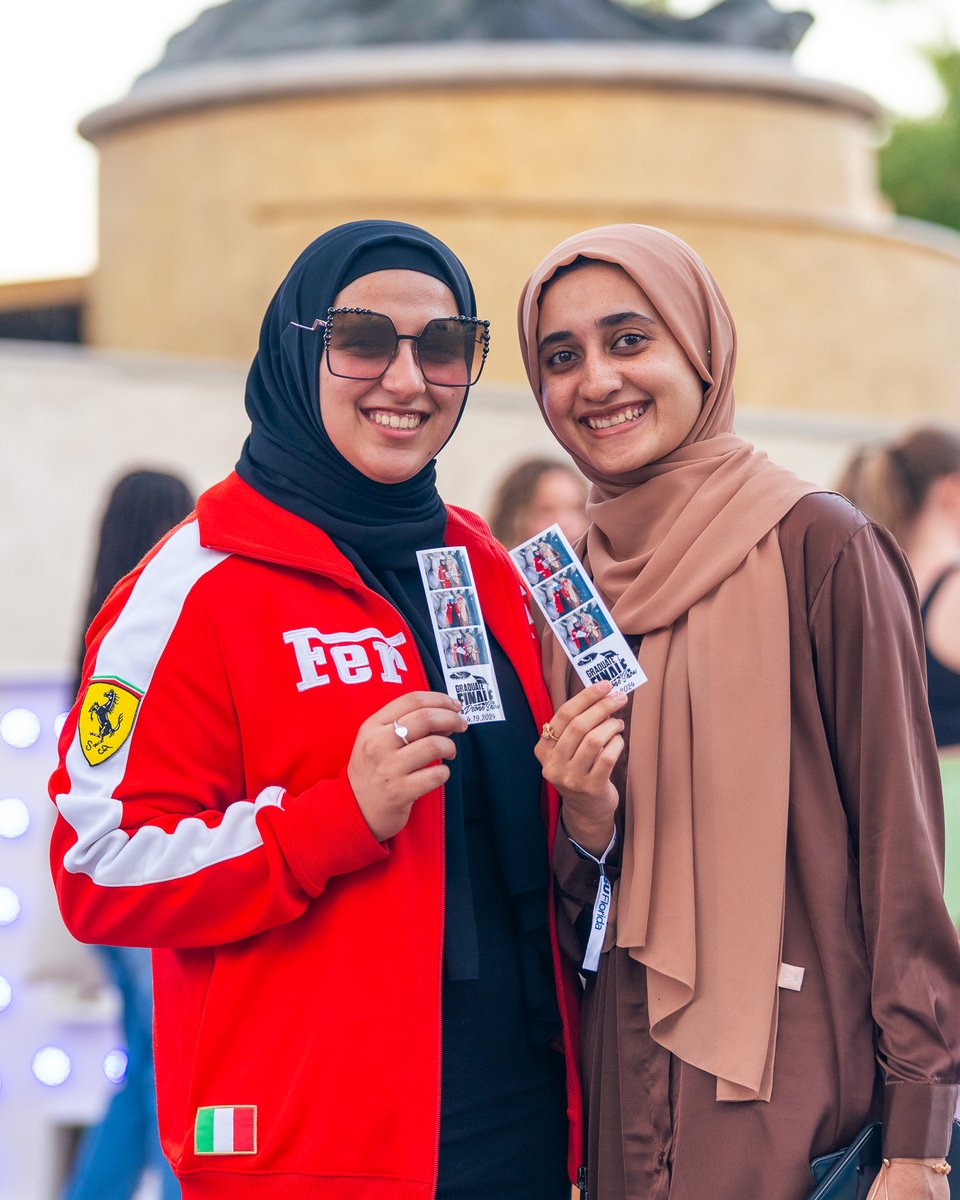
(361, 344)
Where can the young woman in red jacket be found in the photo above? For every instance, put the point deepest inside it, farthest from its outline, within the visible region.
(357, 986)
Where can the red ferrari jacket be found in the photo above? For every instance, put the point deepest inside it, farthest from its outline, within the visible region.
(204, 810)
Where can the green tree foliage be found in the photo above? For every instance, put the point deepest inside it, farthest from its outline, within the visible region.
(920, 163)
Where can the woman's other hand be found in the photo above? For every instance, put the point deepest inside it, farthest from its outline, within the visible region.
(387, 774)
(910, 1181)
(578, 761)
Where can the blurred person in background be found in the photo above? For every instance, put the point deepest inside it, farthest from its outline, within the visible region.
(113, 1155)
(534, 494)
(912, 486)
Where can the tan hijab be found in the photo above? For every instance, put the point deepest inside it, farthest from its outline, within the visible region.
(685, 552)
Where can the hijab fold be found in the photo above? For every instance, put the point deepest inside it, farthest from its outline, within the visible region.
(684, 552)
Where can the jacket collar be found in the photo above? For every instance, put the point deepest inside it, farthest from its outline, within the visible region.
(235, 518)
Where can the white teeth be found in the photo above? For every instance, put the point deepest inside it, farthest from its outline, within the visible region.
(628, 414)
(392, 421)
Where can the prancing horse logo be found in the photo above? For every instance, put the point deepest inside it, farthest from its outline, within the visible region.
(106, 718)
(102, 713)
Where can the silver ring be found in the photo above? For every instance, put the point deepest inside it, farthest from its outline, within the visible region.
(401, 731)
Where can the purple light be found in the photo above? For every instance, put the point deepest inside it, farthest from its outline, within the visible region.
(115, 1065)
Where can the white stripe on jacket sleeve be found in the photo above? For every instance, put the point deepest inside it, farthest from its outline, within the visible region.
(130, 651)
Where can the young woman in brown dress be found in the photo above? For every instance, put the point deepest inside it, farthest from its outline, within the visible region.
(779, 968)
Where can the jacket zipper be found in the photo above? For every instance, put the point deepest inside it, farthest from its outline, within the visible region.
(443, 894)
(582, 1182)
(425, 683)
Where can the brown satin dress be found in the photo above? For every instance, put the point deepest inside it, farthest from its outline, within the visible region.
(874, 1031)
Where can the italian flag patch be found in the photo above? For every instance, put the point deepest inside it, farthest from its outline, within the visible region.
(226, 1130)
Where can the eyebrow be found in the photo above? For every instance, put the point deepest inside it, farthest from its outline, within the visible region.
(563, 335)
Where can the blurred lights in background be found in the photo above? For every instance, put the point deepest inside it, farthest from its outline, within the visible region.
(52, 1066)
(9, 906)
(61, 1045)
(14, 818)
(19, 727)
(115, 1065)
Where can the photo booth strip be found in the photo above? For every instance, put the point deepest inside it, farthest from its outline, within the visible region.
(590, 639)
(461, 635)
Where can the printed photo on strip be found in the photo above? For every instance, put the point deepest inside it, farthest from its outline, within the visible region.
(563, 593)
(455, 609)
(584, 628)
(465, 647)
(542, 556)
(445, 569)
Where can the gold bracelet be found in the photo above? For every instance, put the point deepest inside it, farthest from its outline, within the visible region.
(941, 1167)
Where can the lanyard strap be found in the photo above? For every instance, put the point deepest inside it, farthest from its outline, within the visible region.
(601, 904)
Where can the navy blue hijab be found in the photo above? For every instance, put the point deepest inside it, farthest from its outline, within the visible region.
(288, 456)
(290, 459)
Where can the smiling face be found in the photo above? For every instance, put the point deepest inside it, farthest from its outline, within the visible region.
(617, 388)
(390, 428)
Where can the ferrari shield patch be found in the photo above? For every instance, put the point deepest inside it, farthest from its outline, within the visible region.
(106, 718)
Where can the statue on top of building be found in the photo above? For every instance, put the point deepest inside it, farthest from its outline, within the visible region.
(243, 29)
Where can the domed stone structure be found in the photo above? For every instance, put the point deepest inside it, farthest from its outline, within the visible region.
(270, 120)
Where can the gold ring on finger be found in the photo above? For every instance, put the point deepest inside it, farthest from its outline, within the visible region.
(548, 733)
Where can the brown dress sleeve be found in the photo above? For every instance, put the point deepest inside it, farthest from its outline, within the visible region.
(868, 643)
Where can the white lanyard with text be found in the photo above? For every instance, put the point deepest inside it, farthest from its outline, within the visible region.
(601, 905)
